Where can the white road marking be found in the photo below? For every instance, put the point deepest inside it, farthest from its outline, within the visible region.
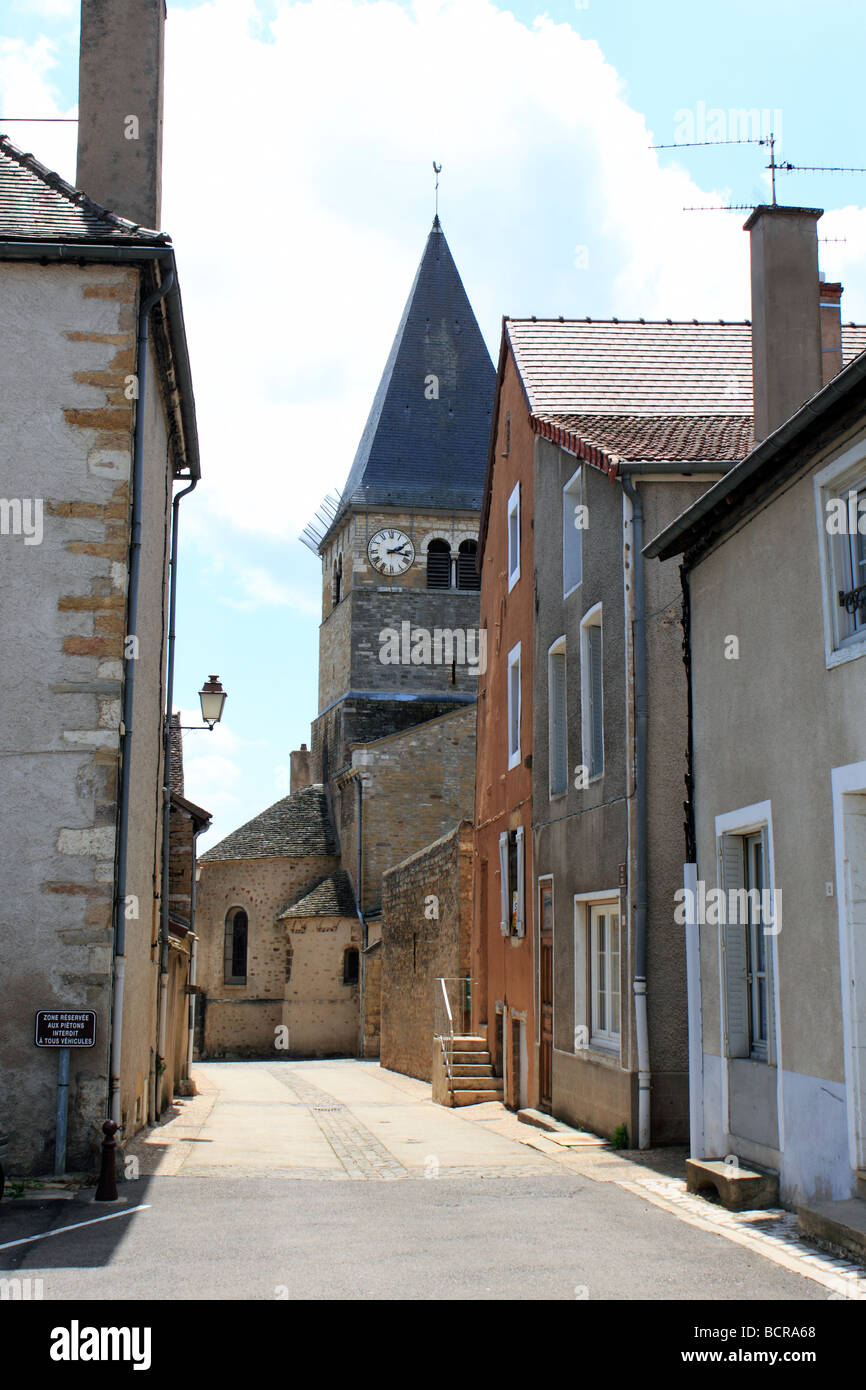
(76, 1226)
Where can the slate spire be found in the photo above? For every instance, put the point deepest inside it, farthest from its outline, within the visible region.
(425, 441)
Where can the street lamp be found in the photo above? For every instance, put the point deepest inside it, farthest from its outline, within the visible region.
(212, 698)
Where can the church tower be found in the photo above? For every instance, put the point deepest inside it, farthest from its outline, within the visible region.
(399, 641)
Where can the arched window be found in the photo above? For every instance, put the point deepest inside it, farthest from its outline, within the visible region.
(438, 565)
(350, 965)
(467, 575)
(235, 961)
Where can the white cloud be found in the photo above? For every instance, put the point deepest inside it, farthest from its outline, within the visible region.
(255, 588)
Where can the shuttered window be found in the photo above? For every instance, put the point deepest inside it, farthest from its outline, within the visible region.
(572, 533)
(746, 947)
(504, 886)
(438, 565)
(514, 706)
(592, 693)
(514, 537)
(467, 573)
(518, 889)
(557, 736)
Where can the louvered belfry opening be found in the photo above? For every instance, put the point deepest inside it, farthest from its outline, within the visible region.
(467, 574)
(438, 565)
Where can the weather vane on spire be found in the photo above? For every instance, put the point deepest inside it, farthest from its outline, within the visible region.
(437, 169)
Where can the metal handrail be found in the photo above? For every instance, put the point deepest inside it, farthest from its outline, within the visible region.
(449, 1058)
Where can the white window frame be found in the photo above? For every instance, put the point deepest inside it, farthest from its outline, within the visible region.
(513, 551)
(514, 660)
(557, 648)
(743, 822)
(584, 974)
(593, 618)
(575, 482)
(604, 1038)
(835, 480)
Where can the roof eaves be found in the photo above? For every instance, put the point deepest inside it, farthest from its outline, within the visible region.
(567, 439)
(716, 504)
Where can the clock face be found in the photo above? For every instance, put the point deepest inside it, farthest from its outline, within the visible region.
(391, 551)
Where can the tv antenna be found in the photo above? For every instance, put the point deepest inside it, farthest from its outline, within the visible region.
(775, 166)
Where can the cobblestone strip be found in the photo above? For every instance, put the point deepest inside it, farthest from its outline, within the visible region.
(362, 1155)
(772, 1233)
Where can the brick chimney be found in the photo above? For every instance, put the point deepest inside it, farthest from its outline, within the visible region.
(120, 87)
(786, 328)
(831, 327)
(300, 768)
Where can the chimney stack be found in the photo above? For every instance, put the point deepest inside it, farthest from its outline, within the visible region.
(300, 768)
(831, 328)
(120, 88)
(786, 327)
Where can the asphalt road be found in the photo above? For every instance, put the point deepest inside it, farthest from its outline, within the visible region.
(339, 1181)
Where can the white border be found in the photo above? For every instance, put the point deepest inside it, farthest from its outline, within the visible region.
(560, 645)
(746, 820)
(587, 621)
(514, 660)
(513, 506)
(580, 923)
(850, 778)
(578, 473)
(843, 470)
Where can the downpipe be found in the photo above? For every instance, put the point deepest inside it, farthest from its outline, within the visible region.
(639, 980)
(162, 1015)
(120, 878)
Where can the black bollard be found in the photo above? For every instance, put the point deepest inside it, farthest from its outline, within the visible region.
(106, 1188)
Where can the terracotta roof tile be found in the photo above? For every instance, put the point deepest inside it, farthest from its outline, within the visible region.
(636, 367)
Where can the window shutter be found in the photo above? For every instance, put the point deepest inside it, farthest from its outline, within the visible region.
(558, 746)
(769, 954)
(521, 877)
(504, 887)
(596, 752)
(734, 956)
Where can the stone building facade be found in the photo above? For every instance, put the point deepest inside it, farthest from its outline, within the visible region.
(276, 920)
(94, 431)
(426, 923)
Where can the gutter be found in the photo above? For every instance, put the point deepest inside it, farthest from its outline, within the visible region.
(121, 851)
(162, 1011)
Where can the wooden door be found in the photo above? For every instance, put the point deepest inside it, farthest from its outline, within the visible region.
(545, 918)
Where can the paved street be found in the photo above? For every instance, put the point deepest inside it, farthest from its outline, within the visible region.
(336, 1179)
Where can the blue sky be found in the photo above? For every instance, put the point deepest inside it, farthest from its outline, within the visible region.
(298, 190)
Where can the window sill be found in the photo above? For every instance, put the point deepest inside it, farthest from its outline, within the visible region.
(512, 580)
(573, 590)
(842, 655)
(514, 760)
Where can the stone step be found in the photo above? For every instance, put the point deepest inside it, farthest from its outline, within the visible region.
(466, 1042)
(476, 1097)
(468, 1083)
(473, 1069)
(739, 1187)
(861, 1183)
(840, 1224)
(471, 1059)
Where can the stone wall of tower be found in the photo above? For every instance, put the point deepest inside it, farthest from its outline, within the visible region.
(351, 640)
